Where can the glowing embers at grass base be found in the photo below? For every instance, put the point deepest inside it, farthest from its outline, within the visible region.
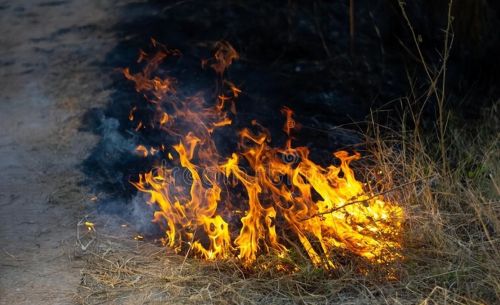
(259, 199)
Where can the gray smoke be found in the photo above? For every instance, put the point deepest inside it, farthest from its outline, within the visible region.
(113, 142)
(142, 214)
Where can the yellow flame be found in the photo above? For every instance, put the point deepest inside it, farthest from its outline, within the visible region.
(282, 194)
(90, 226)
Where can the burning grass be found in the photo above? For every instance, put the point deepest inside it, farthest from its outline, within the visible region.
(450, 243)
(260, 198)
(447, 184)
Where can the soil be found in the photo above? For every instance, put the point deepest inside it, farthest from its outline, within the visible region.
(49, 77)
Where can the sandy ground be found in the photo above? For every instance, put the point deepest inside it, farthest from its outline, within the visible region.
(49, 77)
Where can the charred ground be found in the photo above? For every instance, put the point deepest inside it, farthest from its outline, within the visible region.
(297, 54)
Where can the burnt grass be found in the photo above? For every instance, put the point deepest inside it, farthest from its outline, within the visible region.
(295, 53)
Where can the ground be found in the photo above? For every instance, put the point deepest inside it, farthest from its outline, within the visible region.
(49, 77)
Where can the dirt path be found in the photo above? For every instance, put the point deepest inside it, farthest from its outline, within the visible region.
(48, 78)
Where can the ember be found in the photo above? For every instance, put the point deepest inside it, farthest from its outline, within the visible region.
(260, 197)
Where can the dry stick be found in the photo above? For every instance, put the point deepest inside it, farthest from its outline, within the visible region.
(446, 50)
(189, 250)
(364, 200)
(494, 183)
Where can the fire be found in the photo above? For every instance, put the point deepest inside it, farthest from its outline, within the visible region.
(260, 197)
(90, 226)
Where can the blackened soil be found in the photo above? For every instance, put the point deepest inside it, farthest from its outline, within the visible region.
(298, 54)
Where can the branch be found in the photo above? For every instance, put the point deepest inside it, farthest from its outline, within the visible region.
(369, 198)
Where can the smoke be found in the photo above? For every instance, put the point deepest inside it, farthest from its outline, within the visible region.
(112, 162)
(113, 143)
(141, 215)
(109, 168)
(137, 217)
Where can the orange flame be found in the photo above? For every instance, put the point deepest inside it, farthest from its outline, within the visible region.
(141, 150)
(284, 194)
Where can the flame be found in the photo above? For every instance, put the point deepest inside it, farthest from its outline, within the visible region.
(141, 150)
(261, 197)
(90, 225)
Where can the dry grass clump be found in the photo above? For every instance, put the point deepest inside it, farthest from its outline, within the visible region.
(451, 250)
(448, 185)
(127, 272)
(451, 240)
(450, 244)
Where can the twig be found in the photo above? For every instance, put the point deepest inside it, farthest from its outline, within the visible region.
(369, 198)
(434, 76)
(494, 183)
(189, 250)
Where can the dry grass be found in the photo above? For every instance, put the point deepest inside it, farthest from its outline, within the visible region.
(124, 272)
(452, 215)
(451, 251)
(450, 194)
(450, 248)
